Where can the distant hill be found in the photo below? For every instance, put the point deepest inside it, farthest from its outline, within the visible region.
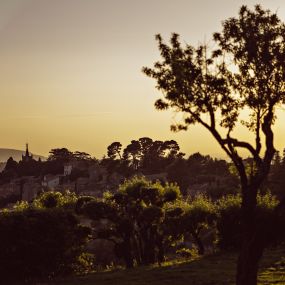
(5, 153)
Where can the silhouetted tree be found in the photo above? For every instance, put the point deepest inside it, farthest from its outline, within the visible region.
(143, 155)
(171, 149)
(246, 71)
(60, 155)
(114, 150)
(145, 144)
(132, 153)
(199, 215)
(153, 160)
(56, 160)
(11, 164)
(10, 171)
(81, 155)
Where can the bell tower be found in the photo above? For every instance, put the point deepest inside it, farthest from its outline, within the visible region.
(27, 157)
(27, 150)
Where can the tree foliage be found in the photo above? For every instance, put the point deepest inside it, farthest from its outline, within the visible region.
(114, 150)
(39, 244)
(196, 83)
(143, 155)
(269, 222)
(199, 216)
(135, 218)
(53, 199)
(60, 154)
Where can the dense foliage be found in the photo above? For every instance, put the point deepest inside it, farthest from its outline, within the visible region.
(143, 155)
(135, 218)
(39, 244)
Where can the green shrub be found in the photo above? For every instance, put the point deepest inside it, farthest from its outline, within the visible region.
(39, 244)
(268, 223)
(136, 219)
(53, 199)
(229, 222)
(199, 216)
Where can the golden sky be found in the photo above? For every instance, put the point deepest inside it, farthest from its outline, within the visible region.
(70, 72)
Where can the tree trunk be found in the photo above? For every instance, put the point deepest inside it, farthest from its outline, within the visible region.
(127, 252)
(128, 259)
(248, 261)
(252, 244)
(198, 241)
(148, 235)
(160, 250)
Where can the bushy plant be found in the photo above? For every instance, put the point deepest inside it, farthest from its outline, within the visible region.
(39, 244)
(267, 221)
(135, 218)
(192, 219)
(199, 216)
(229, 222)
(53, 199)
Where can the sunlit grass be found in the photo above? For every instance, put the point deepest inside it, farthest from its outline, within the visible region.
(217, 269)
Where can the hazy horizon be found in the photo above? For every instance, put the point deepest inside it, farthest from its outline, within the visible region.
(71, 71)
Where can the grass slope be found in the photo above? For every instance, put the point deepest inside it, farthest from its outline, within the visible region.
(218, 269)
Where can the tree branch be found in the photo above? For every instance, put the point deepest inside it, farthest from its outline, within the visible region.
(230, 150)
(236, 143)
(257, 132)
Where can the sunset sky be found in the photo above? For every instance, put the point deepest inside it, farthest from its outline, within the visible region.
(70, 71)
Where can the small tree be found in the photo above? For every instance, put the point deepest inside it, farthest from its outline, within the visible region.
(60, 154)
(199, 215)
(134, 220)
(245, 72)
(114, 150)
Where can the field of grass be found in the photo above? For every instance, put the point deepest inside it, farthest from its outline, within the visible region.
(217, 269)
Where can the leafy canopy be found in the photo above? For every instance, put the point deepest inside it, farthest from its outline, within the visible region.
(245, 71)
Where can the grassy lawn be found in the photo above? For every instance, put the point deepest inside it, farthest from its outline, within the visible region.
(217, 269)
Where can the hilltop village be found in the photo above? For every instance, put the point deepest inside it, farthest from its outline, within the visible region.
(78, 172)
(25, 179)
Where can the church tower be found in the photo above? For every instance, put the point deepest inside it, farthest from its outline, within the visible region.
(27, 157)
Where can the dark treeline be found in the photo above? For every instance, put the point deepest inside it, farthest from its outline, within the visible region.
(143, 155)
(147, 157)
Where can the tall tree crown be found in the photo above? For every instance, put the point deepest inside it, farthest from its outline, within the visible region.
(246, 70)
